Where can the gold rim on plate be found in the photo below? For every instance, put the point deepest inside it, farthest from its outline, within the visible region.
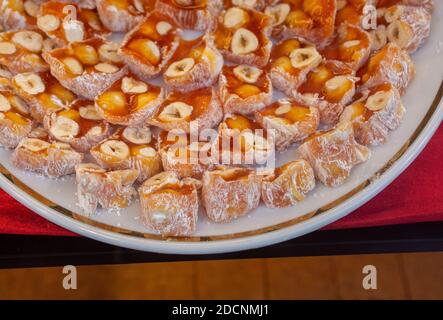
(86, 220)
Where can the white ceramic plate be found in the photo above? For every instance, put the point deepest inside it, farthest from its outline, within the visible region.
(55, 200)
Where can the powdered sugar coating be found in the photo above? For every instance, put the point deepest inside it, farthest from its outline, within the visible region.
(22, 60)
(285, 81)
(203, 74)
(12, 133)
(116, 19)
(138, 66)
(10, 19)
(85, 4)
(371, 132)
(136, 117)
(251, 146)
(233, 103)
(208, 117)
(427, 4)
(282, 80)
(374, 131)
(253, 58)
(329, 111)
(288, 134)
(228, 200)
(321, 35)
(286, 188)
(349, 32)
(201, 19)
(390, 65)
(419, 20)
(333, 154)
(258, 5)
(145, 166)
(54, 162)
(111, 189)
(169, 205)
(185, 168)
(83, 142)
(37, 108)
(87, 85)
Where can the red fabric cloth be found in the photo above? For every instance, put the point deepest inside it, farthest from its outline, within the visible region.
(415, 196)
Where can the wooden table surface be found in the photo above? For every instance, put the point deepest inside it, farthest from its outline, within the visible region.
(45, 251)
